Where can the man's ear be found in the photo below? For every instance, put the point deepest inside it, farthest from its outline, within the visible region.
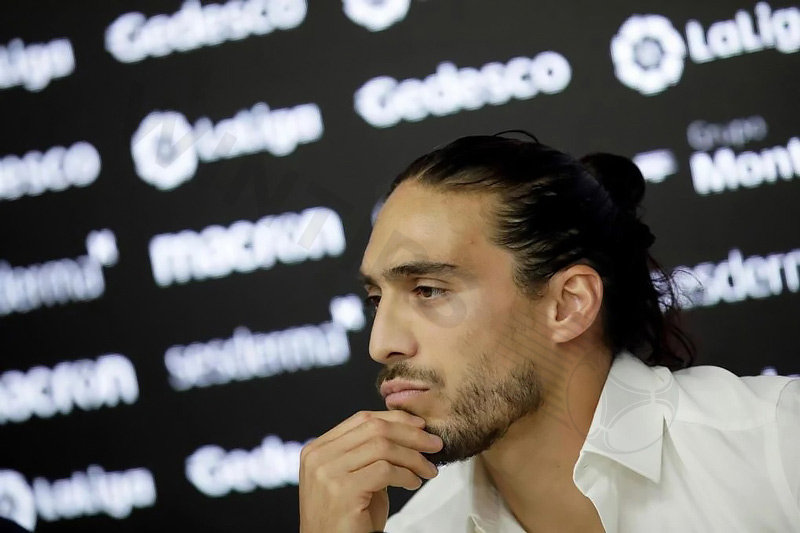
(576, 295)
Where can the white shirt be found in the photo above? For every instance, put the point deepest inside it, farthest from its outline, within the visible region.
(696, 450)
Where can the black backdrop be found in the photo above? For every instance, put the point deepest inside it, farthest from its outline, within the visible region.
(745, 104)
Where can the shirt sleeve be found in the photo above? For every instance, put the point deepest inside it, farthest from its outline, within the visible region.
(788, 420)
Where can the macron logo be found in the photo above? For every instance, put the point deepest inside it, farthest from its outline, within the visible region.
(16, 499)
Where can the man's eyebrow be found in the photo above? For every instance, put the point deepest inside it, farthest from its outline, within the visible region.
(413, 268)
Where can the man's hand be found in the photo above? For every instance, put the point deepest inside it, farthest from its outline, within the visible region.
(344, 473)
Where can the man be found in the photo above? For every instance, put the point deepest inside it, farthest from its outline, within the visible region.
(529, 353)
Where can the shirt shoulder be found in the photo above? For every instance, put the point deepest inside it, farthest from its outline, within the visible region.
(752, 422)
(439, 505)
(715, 396)
(788, 419)
(727, 457)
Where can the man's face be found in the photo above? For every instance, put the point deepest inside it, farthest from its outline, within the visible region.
(466, 333)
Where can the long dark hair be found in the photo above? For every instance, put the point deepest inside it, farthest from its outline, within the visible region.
(554, 211)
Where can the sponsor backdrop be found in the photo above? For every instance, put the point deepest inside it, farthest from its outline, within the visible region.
(186, 190)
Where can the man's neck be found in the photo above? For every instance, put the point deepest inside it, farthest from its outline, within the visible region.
(532, 465)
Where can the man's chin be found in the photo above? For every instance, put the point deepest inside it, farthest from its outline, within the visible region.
(446, 456)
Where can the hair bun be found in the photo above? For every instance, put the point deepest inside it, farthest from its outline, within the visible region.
(620, 176)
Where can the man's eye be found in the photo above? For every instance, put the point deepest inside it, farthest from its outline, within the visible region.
(435, 291)
(428, 293)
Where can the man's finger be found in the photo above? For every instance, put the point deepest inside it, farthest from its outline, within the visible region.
(360, 417)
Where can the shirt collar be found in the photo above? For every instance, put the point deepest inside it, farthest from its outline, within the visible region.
(627, 427)
(637, 403)
(487, 504)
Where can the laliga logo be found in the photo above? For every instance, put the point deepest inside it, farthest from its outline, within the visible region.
(166, 148)
(376, 15)
(648, 54)
(86, 493)
(16, 499)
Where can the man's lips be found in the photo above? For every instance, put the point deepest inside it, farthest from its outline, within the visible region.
(397, 385)
(396, 399)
